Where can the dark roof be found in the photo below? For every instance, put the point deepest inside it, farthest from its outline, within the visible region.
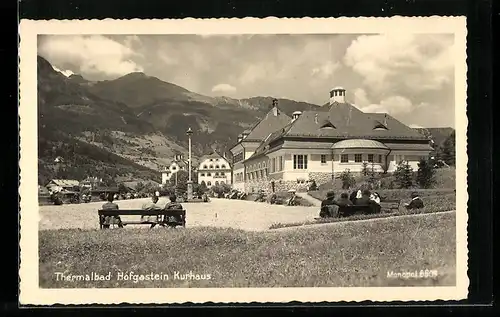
(344, 121)
(350, 122)
(267, 125)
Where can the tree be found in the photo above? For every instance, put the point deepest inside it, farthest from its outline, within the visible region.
(404, 175)
(122, 189)
(202, 188)
(348, 180)
(448, 149)
(139, 187)
(425, 174)
(364, 170)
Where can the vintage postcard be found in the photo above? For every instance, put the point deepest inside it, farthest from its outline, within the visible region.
(243, 160)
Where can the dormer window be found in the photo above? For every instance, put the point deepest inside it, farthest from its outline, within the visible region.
(223, 166)
(379, 126)
(327, 125)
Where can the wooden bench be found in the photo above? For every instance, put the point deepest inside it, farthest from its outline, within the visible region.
(346, 211)
(164, 213)
(391, 204)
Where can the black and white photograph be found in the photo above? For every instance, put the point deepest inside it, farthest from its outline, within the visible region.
(243, 160)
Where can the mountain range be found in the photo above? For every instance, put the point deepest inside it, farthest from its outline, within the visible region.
(138, 119)
(132, 126)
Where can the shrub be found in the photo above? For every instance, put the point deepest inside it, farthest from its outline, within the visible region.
(425, 174)
(364, 170)
(348, 180)
(404, 175)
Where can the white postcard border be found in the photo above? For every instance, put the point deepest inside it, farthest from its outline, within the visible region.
(31, 294)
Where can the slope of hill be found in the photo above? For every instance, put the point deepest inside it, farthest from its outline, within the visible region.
(438, 135)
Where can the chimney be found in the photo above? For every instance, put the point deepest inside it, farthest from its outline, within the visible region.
(337, 94)
(385, 120)
(316, 118)
(296, 115)
(240, 137)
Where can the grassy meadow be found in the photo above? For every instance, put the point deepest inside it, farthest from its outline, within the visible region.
(341, 255)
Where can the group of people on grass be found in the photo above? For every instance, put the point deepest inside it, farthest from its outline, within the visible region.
(151, 205)
(362, 198)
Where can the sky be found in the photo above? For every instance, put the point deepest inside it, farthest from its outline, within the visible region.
(409, 76)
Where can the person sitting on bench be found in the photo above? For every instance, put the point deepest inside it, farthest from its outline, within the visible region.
(344, 200)
(173, 204)
(110, 205)
(365, 200)
(416, 202)
(152, 205)
(329, 207)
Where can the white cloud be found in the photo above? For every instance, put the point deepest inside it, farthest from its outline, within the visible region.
(360, 98)
(388, 62)
(94, 55)
(224, 88)
(392, 105)
(326, 70)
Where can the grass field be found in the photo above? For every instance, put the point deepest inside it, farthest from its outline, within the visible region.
(337, 255)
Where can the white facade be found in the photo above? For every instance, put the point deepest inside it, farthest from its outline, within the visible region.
(214, 170)
(168, 173)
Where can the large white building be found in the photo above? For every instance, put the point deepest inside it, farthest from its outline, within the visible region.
(282, 152)
(214, 169)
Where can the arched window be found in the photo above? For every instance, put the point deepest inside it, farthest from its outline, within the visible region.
(205, 166)
(216, 183)
(209, 183)
(223, 166)
(211, 166)
(209, 174)
(217, 166)
(216, 173)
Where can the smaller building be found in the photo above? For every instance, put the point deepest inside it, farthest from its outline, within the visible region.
(63, 184)
(214, 170)
(177, 164)
(91, 183)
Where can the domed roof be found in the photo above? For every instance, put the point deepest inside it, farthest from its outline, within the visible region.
(337, 88)
(359, 144)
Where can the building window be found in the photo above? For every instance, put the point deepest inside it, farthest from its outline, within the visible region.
(344, 158)
(358, 158)
(216, 173)
(379, 158)
(202, 174)
(211, 160)
(217, 166)
(222, 174)
(258, 167)
(273, 165)
(209, 174)
(209, 183)
(299, 162)
(204, 166)
(223, 166)
(216, 183)
(323, 159)
(370, 158)
(281, 163)
(211, 166)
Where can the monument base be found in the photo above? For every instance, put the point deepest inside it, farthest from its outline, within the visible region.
(190, 190)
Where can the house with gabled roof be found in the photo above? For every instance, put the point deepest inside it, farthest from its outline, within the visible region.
(177, 164)
(319, 144)
(250, 140)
